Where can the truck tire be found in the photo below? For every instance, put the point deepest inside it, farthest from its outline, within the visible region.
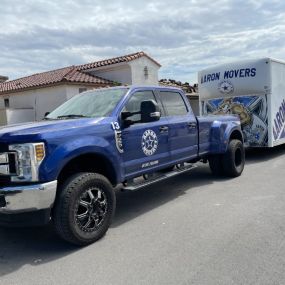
(216, 164)
(84, 208)
(234, 159)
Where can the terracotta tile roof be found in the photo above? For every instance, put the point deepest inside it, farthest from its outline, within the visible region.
(125, 58)
(81, 77)
(66, 74)
(70, 74)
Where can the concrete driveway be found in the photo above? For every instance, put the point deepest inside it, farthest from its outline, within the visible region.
(192, 229)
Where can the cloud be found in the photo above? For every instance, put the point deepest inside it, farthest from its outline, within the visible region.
(184, 37)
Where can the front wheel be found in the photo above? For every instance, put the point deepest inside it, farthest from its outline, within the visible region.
(234, 159)
(84, 208)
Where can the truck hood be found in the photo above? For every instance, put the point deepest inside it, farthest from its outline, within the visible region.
(40, 129)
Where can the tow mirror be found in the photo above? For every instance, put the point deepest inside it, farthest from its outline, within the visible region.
(150, 111)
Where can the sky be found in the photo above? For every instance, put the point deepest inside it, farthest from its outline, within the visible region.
(184, 36)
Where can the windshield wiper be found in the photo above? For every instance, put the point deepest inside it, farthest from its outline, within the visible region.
(71, 116)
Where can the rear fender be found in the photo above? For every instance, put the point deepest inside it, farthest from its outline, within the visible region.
(221, 134)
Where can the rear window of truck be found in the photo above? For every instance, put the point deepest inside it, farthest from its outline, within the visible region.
(173, 103)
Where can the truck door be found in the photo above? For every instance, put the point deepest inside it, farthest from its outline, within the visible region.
(183, 131)
(145, 144)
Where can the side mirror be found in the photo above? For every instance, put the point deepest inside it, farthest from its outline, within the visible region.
(150, 111)
(47, 113)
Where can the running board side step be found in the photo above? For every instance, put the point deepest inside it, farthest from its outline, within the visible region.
(157, 178)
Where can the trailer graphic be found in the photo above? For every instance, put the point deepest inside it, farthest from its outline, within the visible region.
(252, 111)
(279, 122)
(254, 90)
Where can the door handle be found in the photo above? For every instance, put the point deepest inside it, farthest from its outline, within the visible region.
(163, 129)
(192, 125)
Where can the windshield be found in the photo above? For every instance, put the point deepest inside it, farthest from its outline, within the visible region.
(97, 103)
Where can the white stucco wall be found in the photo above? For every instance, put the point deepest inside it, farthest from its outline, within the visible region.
(120, 73)
(72, 90)
(2, 102)
(3, 117)
(132, 72)
(47, 99)
(42, 100)
(138, 71)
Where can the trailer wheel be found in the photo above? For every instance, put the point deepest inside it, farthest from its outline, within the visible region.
(234, 159)
(216, 164)
(84, 208)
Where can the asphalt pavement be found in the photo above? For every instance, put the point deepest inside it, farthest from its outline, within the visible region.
(191, 229)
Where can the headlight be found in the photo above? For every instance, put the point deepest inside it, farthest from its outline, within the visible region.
(29, 159)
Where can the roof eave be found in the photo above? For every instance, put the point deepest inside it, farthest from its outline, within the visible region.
(5, 93)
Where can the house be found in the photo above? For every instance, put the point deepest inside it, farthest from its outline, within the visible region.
(30, 97)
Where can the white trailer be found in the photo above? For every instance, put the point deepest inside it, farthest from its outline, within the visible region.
(252, 89)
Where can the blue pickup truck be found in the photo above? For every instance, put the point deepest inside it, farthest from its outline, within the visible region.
(66, 167)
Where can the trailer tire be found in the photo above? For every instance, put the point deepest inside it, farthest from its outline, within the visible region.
(234, 159)
(84, 208)
(216, 164)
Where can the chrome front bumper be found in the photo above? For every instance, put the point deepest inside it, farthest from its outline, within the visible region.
(27, 198)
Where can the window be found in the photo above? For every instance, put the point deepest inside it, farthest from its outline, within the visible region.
(134, 103)
(173, 103)
(97, 103)
(6, 103)
(82, 89)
